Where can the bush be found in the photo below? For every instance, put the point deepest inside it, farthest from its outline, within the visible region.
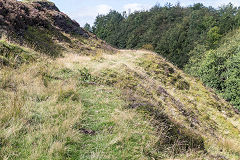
(148, 47)
(86, 77)
(220, 69)
(232, 82)
(68, 95)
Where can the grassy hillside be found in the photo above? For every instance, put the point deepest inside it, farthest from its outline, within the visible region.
(13, 55)
(127, 105)
(190, 37)
(65, 94)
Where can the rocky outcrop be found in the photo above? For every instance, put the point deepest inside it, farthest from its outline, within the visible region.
(39, 5)
(17, 16)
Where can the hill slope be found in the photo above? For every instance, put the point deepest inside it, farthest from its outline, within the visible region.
(78, 98)
(197, 38)
(128, 105)
(40, 25)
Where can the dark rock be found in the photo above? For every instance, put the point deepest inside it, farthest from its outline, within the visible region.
(64, 23)
(236, 110)
(162, 91)
(18, 16)
(87, 131)
(218, 157)
(45, 5)
(168, 70)
(136, 105)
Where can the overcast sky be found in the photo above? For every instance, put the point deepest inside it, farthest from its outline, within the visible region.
(86, 10)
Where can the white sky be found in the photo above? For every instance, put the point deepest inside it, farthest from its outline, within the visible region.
(86, 10)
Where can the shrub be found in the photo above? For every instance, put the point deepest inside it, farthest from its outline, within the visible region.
(68, 95)
(220, 70)
(148, 47)
(86, 77)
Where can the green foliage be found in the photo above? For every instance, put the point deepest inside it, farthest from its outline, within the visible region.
(213, 36)
(219, 69)
(210, 70)
(68, 95)
(228, 18)
(222, 73)
(194, 63)
(87, 27)
(186, 36)
(232, 83)
(110, 22)
(86, 77)
(173, 31)
(43, 40)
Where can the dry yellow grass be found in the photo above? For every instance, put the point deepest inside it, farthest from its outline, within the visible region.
(30, 109)
(46, 106)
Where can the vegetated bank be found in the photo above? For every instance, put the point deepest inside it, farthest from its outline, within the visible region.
(190, 37)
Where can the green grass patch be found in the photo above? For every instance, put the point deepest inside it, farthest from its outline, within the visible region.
(108, 131)
(13, 55)
(45, 41)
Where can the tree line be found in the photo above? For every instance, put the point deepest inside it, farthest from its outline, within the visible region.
(194, 38)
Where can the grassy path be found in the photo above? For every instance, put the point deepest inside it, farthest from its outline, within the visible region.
(56, 110)
(109, 131)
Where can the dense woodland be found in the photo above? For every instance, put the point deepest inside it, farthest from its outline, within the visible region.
(203, 41)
